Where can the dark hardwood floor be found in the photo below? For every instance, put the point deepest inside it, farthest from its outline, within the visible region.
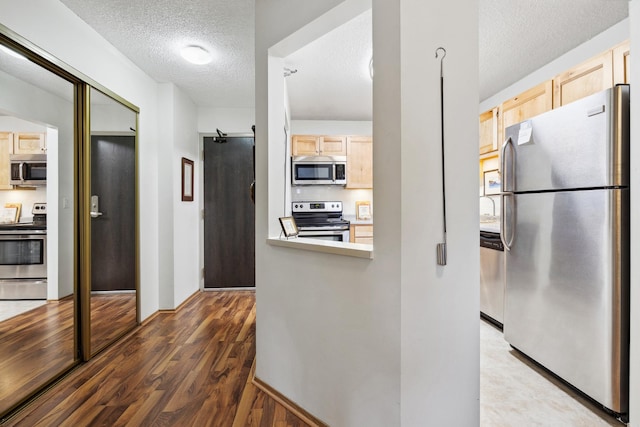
(112, 314)
(190, 367)
(35, 346)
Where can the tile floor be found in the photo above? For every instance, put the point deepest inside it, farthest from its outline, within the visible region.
(9, 309)
(515, 392)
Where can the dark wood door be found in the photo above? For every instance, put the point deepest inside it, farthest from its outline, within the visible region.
(229, 214)
(113, 234)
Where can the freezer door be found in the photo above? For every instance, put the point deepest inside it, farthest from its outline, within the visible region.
(567, 287)
(584, 144)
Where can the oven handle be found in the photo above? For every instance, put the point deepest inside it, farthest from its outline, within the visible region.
(21, 171)
(21, 234)
(321, 233)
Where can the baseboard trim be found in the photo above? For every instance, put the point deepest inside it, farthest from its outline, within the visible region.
(146, 321)
(288, 404)
(182, 304)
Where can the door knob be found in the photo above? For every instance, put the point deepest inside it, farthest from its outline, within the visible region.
(95, 207)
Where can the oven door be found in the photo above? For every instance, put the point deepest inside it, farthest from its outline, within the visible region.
(23, 254)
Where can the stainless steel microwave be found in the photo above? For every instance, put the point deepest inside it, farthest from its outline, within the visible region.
(28, 169)
(317, 170)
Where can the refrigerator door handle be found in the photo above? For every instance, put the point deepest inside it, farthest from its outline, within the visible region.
(507, 174)
(506, 192)
(503, 229)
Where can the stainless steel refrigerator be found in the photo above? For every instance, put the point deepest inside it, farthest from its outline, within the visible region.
(565, 183)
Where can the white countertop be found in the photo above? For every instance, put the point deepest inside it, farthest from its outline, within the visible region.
(359, 250)
(352, 219)
(492, 226)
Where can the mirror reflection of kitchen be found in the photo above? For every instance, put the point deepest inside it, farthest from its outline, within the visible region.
(37, 339)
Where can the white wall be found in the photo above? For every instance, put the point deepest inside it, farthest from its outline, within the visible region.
(369, 342)
(64, 35)
(440, 304)
(331, 127)
(186, 230)
(166, 215)
(634, 377)
(228, 120)
(178, 230)
(598, 44)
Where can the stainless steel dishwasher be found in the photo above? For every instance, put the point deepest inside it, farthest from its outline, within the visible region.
(492, 277)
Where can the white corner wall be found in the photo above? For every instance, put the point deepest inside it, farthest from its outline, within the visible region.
(165, 184)
(178, 230)
(54, 28)
(370, 342)
(186, 221)
(440, 304)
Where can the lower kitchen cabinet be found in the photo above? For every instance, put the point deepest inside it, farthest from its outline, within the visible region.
(361, 233)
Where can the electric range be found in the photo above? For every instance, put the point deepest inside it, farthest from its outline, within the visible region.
(320, 220)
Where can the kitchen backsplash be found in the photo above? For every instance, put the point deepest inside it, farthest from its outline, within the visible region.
(490, 205)
(26, 197)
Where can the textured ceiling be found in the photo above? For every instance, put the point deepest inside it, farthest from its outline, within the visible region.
(152, 32)
(516, 38)
(333, 74)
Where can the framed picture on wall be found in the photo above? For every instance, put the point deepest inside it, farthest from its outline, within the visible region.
(187, 180)
(492, 182)
(363, 210)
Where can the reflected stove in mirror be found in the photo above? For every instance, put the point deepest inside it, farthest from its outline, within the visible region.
(23, 257)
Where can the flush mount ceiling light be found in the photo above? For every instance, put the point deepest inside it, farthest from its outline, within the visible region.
(11, 52)
(196, 54)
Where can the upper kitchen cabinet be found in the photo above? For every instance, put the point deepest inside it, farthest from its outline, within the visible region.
(29, 143)
(489, 138)
(333, 145)
(590, 77)
(622, 63)
(6, 148)
(359, 162)
(534, 101)
(318, 145)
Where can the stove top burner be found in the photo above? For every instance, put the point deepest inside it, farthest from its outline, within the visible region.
(319, 216)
